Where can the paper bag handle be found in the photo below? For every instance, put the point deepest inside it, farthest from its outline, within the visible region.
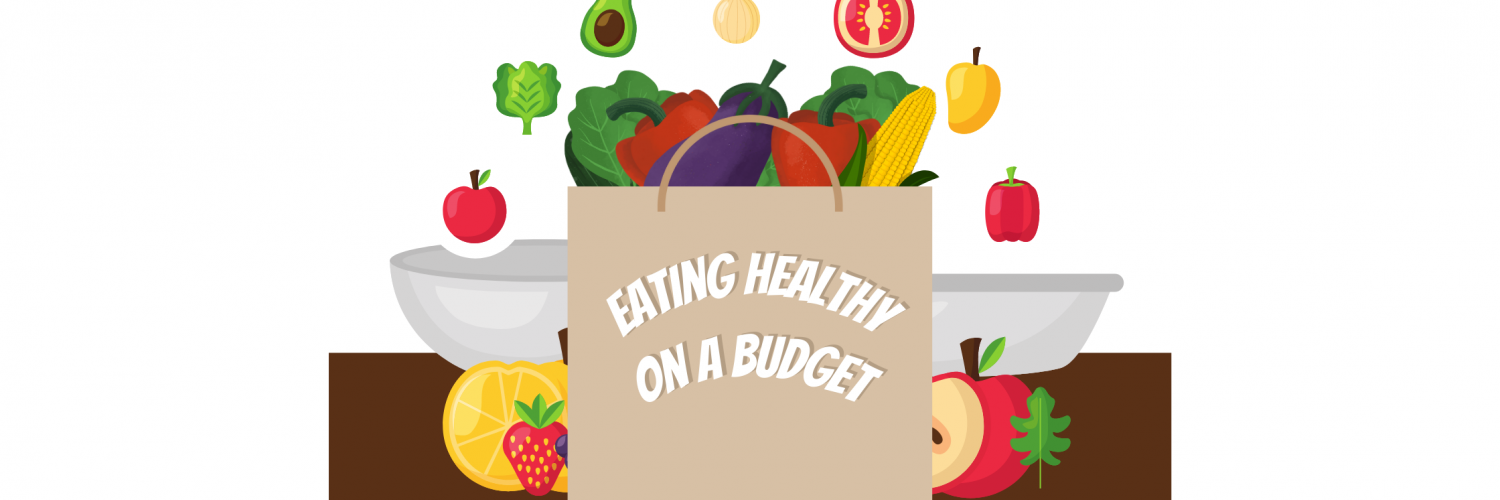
(833, 175)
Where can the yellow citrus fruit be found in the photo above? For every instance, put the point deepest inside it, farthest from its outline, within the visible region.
(481, 408)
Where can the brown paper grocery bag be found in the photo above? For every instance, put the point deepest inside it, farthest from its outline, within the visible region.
(663, 333)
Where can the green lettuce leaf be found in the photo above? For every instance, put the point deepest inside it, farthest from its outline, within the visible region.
(526, 92)
(886, 91)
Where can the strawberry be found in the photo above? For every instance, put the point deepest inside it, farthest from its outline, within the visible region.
(529, 445)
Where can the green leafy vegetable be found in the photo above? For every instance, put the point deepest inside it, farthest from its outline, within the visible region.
(594, 135)
(854, 173)
(634, 84)
(582, 176)
(1040, 442)
(892, 87)
(526, 92)
(918, 178)
(887, 90)
(768, 176)
(996, 348)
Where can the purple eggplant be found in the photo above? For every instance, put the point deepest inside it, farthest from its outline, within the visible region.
(734, 155)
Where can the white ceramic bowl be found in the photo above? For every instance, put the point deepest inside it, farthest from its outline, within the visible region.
(505, 307)
(1045, 318)
(509, 307)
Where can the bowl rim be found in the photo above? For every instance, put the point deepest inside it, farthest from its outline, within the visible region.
(399, 261)
(1027, 283)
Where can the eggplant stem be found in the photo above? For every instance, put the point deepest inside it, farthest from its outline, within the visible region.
(776, 67)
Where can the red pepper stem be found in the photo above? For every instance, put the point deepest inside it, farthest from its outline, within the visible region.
(640, 105)
(837, 97)
(474, 179)
(1011, 173)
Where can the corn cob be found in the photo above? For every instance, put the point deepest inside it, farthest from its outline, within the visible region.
(899, 142)
(887, 130)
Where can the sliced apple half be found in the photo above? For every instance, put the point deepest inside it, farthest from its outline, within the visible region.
(957, 429)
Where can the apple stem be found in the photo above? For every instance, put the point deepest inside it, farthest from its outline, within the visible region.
(970, 350)
(474, 179)
(562, 338)
(976, 56)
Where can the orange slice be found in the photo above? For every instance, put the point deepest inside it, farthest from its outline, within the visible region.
(481, 408)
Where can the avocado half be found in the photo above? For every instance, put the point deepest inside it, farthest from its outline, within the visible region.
(609, 28)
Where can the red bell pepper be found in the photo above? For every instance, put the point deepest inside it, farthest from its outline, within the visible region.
(666, 125)
(1012, 211)
(836, 133)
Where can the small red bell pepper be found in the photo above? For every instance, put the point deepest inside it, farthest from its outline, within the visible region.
(836, 133)
(1012, 211)
(665, 125)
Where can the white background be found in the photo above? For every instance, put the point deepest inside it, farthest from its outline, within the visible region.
(200, 200)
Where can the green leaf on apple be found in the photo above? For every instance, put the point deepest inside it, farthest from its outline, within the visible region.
(484, 177)
(1040, 442)
(992, 354)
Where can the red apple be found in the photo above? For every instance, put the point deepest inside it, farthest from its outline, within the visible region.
(472, 214)
(971, 432)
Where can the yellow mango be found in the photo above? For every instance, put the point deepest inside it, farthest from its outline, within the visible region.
(973, 94)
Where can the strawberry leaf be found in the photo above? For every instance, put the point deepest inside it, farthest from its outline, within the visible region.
(524, 413)
(484, 177)
(537, 406)
(992, 354)
(552, 414)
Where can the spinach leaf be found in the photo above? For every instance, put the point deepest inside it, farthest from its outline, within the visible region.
(886, 91)
(854, 173)
(858, 108)
(768, 176)
(582, 176)
(595, 135)
(921, 177)
(891, 86)
(813, 104)
(634, 84)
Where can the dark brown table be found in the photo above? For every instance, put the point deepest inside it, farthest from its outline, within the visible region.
(385, 441)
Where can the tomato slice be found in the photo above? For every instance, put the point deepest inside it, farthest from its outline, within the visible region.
(873, 28)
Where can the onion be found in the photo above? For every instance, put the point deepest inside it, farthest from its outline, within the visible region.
(736, 20)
